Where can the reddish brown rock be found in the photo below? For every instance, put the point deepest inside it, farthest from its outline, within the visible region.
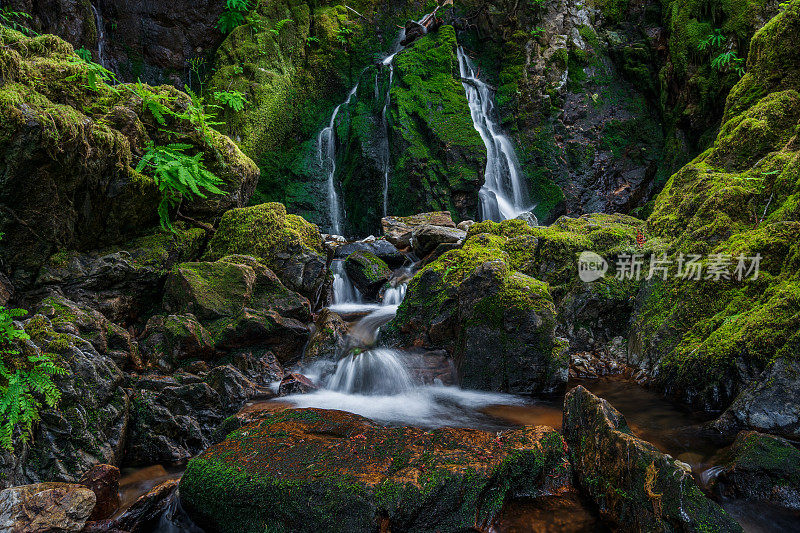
(318, 470)
(103, 480)
(45, 508)
(296, 383)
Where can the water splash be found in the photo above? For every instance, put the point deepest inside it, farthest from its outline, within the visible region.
(503, 195)
(326, 152)
(374, 372)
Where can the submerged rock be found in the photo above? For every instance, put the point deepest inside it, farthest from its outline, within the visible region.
(367, 272)
(635, 486)
(317, 470)
(45, 508)
(761, 468)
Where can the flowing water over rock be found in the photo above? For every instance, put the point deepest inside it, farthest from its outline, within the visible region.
(326, 151)
(503, 195)
(101, 37)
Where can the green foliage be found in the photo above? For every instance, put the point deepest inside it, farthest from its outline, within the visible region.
(177, 175)
(729, 61)
(152, 102)
(23, 380)
(197, 113)
(279, 26)
(91, 73)
(233, 99)
(233, 16)
(13, 19)
(714, 40)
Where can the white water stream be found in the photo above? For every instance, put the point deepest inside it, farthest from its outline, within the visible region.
(503, 195)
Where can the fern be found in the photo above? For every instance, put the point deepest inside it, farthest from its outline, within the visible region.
(13, 19)
(233, 99)
(276, 31)
(93, 74)
(155, 103)
(177, 175)
(233, 16)
(197, 113)
(729, 61)
(714, 40)
(23, 380)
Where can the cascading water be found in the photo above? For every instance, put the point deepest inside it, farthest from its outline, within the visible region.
(385, 154)
(326, 150)
(503, 195)
(101, 37)
(375, 372)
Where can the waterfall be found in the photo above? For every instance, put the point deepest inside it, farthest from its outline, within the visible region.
(503, 194)
(395, 295)
(101, 37)
(326, 151)
(378, 371)
(344, 292)
(386, 157)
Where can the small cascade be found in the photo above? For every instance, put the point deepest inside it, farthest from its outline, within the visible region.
(395, 295)
(101, 37)
(503, 194)
(344, 292)
(326, 151)
(379, 371)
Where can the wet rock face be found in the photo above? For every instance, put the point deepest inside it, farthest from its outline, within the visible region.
(173, 417)
(426, 238)
(143, 516)
(380, 248)
(329, 339)
(316, 470)
(45, 508)
(103, 480)
(367, 272)
(635, 486)
(399, 230)
(770, 404)
(761, 468)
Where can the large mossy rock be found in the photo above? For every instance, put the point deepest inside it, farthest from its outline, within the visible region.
(635, 486)
(68, 152)
(368, 272)
(317, 470)
(496, 323)
(91, 421)
(736, 200)
(761, 468)
(287, 244)
(242, 304)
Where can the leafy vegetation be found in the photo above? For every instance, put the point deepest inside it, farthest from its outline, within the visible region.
(234, 15)
(232, 99)
(177, 176)
(13, 19)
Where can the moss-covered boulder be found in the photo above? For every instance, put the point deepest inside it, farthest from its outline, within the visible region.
(761, 468)
(169, 340)
(68, 148)
(635, 486)
(368, 272)
(316, 470)
(287, 244)
(241, 303)
(329, 339)
(498, 324)
(735, 202)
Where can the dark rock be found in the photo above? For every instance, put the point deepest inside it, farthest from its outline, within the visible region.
(431, 368)
(635, 486)
(398, 230)
(91, 422)
(146, 512)
(381, 248)
(260, 366)
(406, 478)
(329, 339)
(173, 418)
(45, 508)
(169, 340)
(770, 405)
(295, 383)
(242, 303)
(122, 282)
(103, 480)
(761, 468)
(6, 289)
(529, 218)
(368, 273)
(427, 237)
